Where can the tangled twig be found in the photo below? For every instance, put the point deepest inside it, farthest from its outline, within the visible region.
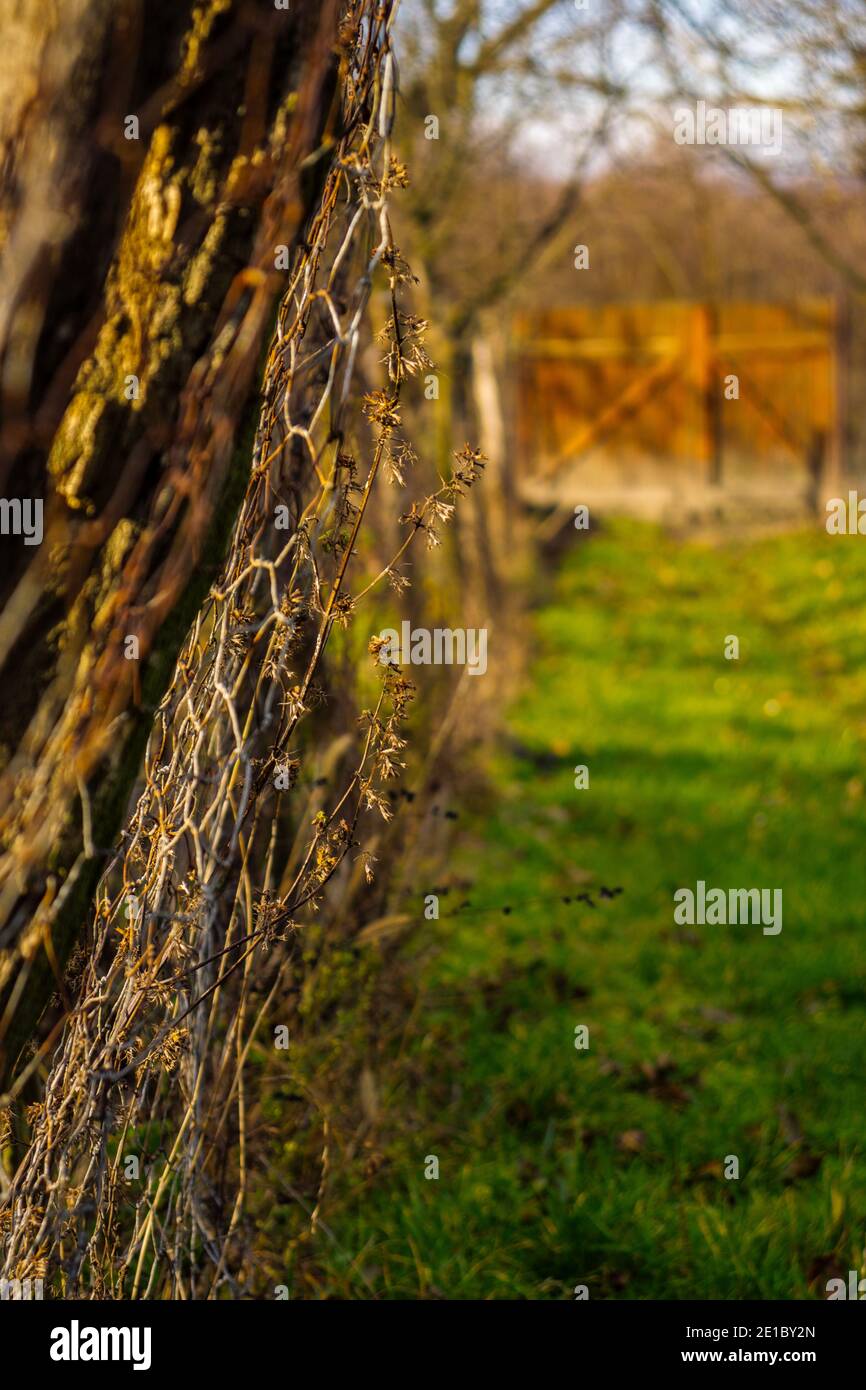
(135, 1178)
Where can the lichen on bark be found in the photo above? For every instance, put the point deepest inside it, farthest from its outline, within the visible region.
(138, 482)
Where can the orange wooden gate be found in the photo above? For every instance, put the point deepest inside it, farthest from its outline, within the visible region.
(717, 395)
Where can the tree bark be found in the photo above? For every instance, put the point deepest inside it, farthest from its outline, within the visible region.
(139, 277)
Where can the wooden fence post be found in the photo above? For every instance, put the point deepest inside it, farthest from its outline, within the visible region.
(707, 437)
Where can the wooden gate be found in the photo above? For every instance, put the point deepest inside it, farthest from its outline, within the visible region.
(734, 397)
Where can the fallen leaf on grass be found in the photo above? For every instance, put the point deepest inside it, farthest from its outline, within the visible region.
(804, 1165)
(824, 1268)
(660, 1080)
(631, 1141)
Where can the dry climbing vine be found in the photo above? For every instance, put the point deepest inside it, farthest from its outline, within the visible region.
(202, 909)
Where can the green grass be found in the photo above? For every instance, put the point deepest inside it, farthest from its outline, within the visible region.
(604, 1167)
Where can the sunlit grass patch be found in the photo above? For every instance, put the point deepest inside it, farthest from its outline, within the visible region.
(605, 1167)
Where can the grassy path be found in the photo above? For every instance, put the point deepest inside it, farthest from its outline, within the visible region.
(604, 1167)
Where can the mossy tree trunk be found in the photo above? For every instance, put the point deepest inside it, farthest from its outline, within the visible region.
(155, 156)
